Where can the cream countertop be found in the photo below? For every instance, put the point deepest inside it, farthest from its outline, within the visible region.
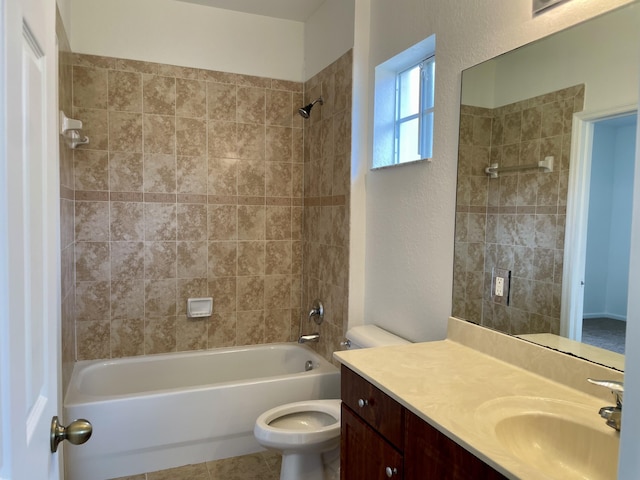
(445, 383)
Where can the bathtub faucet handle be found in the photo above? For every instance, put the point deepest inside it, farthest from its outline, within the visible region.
(317, 312)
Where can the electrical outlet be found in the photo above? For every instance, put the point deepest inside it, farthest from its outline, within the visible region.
(500, 285)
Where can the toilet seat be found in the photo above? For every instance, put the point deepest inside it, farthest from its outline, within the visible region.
(305, 432)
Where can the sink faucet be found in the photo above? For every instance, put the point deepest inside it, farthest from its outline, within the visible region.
(613, 415)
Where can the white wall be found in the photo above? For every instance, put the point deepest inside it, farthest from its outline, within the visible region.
(64, 6)
(410, 208)
(620, 235)
(583, 54)
(328, 34)
(186, 34)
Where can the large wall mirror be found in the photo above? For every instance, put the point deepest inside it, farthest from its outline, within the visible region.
(559, 236)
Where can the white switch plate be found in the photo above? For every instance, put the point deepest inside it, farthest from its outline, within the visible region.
(499, 286)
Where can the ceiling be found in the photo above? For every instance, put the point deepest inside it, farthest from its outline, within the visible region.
(298, 10)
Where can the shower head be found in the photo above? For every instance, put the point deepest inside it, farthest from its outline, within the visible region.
(306, 111)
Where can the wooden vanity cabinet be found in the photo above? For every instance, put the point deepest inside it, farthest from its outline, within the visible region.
(381, 439)
(430, 454)
(372, 435)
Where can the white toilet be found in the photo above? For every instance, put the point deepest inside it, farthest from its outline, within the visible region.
(307, 433)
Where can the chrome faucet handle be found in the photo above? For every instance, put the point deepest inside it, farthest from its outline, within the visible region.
(317, 310)
(617, 388)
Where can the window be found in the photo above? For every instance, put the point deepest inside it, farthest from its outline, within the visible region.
(414, 112)
(404, 106)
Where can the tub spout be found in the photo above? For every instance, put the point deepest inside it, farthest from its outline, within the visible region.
(313, 337)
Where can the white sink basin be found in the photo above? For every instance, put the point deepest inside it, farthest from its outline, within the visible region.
(561, 439)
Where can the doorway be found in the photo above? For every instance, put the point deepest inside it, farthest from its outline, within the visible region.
(595, 283)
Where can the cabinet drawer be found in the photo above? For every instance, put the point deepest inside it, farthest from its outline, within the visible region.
(375, 407)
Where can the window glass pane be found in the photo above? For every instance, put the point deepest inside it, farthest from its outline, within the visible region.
(409, 141)
(427, 135)
(428, 73)
(409, 92)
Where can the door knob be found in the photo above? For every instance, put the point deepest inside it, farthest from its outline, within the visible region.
(78, 432)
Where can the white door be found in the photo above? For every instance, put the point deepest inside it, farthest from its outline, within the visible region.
(29, 240)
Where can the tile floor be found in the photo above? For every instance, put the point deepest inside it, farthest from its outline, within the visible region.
(257, 466)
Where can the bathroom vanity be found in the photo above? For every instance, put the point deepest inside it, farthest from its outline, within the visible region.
(382, 439)
(449, 410)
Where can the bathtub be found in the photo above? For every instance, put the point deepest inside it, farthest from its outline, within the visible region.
(161, 411)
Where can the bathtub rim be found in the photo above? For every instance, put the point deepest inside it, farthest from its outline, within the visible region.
(74, 397)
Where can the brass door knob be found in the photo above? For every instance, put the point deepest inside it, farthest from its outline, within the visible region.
(78, 432)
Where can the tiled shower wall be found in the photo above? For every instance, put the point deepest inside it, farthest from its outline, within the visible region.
(327, 175)
(192, 186)
(517, 221)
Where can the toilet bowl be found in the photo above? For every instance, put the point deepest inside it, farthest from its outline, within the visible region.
(308, 433)
(304, 432)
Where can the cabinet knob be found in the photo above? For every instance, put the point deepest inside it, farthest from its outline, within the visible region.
(391, 471)
(362, 402)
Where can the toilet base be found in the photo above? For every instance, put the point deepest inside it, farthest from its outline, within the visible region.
(296, 466)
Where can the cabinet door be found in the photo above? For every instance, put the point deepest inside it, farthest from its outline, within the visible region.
(430, 455)
(364, 454)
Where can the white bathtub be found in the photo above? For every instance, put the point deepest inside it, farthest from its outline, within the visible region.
(161, 411)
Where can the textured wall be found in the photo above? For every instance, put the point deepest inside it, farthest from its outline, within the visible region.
(516, 221)
(192, 186)
(410, 210)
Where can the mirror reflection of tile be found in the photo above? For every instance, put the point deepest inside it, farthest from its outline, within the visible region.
(514, 222)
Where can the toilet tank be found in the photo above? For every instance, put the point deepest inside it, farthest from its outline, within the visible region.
(365, 336)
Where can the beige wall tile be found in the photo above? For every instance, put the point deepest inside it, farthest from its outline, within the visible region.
(222, 259)
(250, 105)
(223, 291)
(159, 134)
(222, 222)
(92, 261)
(125, 91)
(90, 87)
(125, 132)
(127, 337)
(192, 260)
(159, 94)
(251, 222)
(221, 102)
(127, 298)
(160, 260)
(191, 98)
(92, 221)
(93, 339)
(91, 170)
(125, 172)
(159, 335)
(191, 137)
(127, 221)
(250, 327)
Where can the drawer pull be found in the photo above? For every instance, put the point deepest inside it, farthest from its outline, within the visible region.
(362, 402)
(391, 471)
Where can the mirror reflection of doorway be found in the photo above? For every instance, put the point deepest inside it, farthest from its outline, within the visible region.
(606, 269)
